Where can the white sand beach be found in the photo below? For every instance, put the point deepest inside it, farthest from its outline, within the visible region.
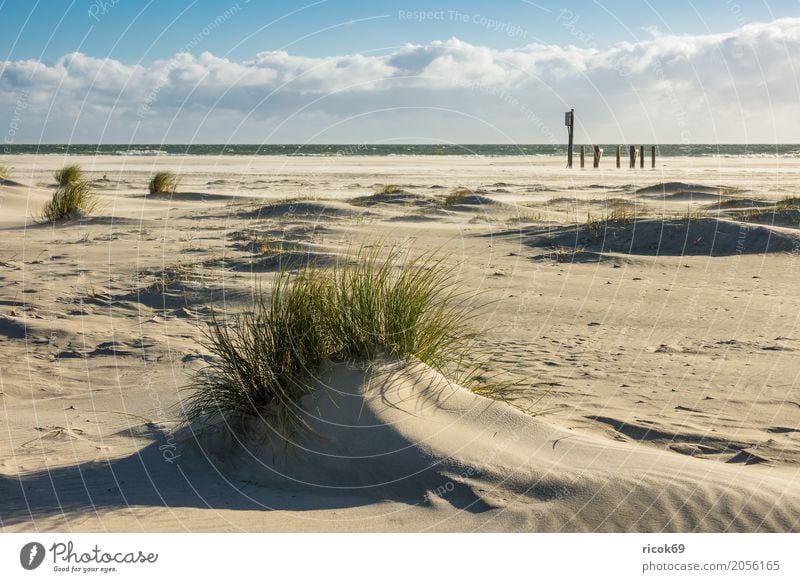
(658, 356)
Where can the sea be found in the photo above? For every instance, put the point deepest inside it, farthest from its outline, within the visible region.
(486, 150)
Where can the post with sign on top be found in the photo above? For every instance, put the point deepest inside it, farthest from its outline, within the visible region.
(569, 121)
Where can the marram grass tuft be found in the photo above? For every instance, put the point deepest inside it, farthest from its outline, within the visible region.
(69, 200)
(264, 360)
(163, 183)
(68, 175)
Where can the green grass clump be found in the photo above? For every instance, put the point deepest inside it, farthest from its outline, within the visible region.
(68, 175)
(5, 172)
(163, 183)
(69, 200)
(264, 362)
(406, 308)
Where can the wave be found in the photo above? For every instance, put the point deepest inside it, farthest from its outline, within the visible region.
(145, 152)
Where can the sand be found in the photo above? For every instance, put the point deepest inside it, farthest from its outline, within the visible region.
(658, 356)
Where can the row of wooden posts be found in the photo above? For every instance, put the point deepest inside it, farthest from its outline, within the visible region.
(631, 156)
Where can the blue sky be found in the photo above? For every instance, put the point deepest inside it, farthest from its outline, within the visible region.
(143, 30)
(339, 71)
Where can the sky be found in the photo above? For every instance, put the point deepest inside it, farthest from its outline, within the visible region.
(440, 71)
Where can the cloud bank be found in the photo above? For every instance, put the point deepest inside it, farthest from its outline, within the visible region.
(741, 86)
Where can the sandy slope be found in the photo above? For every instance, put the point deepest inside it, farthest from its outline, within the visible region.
(664, 352)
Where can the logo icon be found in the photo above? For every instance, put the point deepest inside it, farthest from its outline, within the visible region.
(31, 555)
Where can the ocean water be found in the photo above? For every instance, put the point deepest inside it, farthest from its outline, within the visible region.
(695, 150)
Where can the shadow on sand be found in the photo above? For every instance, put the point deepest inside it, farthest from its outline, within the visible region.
(166, 475)
(654, 237)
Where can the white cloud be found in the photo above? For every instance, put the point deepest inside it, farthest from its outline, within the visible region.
(737, 86)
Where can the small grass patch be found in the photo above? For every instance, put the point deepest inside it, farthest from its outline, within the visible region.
(264, 245)
(755, 213)
(163, 183)
(264, 360)
(788, 203)
(67, 175)
(525, 218)
(620, 216)
(69, 200)
(456, 196)
(694, 214)
(389, 189)
(787, 206)
(564, 254)
(5, 172)
(161, 281)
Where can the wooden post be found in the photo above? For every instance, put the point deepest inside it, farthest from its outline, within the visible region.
(597, 154)
(641, 156)
(632, 156)
(652, 156)
(583, 153)
(618, 148)
(569, 121)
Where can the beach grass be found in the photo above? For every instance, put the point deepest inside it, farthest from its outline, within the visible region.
(67, 201)
(67, 175)
(524, 218)
(390, 189)
(176, 273)
(787, 205)
(694, 214)
(163, 183)
(565, 254)
(456, 196)
(5, 172)
(620, 216)
(363, 306)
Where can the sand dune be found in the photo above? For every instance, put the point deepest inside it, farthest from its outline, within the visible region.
(400, 197)
(708, 237)
(672, 188)
(287, 210)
